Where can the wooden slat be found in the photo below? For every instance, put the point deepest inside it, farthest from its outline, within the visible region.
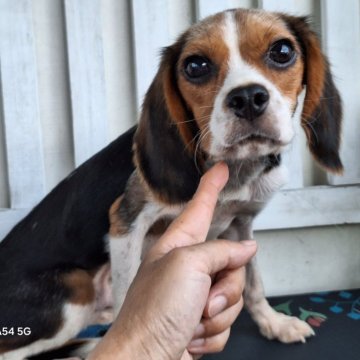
(208, 7)
(294, 7)
(151, 33)
(87, 80)
(313, 206)
(341, 39)
(20, 104)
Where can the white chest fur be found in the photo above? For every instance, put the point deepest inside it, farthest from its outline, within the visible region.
(247, 200)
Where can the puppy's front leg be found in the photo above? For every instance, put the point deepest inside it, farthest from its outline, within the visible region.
(131, 216)
(272, 324)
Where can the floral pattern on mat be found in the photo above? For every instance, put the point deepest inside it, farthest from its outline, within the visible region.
(322, 305)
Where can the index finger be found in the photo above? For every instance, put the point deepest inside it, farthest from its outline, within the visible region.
(193, 224)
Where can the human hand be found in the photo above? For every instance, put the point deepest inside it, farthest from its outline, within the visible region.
(187, 293)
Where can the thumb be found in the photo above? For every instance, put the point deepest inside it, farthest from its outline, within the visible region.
(193, 224)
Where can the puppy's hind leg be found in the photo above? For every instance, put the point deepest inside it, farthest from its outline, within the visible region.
(273, 325)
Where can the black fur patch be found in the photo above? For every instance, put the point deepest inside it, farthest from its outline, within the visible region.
(325, 135)
(272, 161)
(64, 231)
(165, 162)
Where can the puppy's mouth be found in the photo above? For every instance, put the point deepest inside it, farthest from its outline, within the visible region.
(255, 139)
(251, 145)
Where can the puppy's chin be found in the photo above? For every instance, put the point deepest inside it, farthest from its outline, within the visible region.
(247, 149)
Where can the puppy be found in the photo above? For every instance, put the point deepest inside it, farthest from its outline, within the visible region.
(227, 90)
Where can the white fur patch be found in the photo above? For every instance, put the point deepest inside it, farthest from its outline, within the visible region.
(75, 317)
(126, 250)
(269, 183)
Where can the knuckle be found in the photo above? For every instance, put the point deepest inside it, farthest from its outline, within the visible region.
(179, 255)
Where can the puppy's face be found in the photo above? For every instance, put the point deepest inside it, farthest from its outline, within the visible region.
(240, 74)
(227, 89)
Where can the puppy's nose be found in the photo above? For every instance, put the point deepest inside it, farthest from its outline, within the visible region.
(248, 102)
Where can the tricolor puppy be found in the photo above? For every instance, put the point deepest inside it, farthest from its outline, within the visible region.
(226, 90)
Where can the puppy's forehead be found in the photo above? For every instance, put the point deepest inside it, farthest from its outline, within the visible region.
(252, 30)
(206, 37)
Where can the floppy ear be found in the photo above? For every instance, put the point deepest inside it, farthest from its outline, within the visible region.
(322, 113)
(163, 146)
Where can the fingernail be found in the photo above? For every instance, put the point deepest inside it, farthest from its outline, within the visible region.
(248, 242)
(199, 331)
(217, 305)
(196, 343)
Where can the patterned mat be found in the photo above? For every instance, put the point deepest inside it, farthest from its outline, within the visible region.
(335, 317)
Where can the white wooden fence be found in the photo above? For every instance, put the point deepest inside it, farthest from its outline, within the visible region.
(101, 36)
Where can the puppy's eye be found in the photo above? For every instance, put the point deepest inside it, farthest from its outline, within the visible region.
(281, 53)
(197, 68)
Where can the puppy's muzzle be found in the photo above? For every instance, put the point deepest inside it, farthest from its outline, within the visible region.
(248, 102)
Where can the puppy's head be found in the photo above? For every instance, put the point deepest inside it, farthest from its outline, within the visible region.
(228, 90)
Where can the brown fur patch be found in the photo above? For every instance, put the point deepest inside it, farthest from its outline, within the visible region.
(79, 282)
(205, 39)
(315, 64)
(116, 225)
(124, 211)
(260, 31)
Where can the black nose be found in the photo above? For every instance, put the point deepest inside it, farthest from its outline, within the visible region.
(248, 102)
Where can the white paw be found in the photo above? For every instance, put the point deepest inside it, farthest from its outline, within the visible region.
(287, 329)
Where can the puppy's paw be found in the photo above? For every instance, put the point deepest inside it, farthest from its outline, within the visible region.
(105, 316)
(287, 329)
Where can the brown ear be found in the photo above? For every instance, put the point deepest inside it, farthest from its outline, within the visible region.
(322, 111)
(162, 143)
(179, 113)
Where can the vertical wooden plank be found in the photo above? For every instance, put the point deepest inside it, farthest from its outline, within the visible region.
(20, 104)
(151, 28)
(295, 7)
(119, 66)
(4, 188)
(87, 80)
(341, 29)
(208, 7)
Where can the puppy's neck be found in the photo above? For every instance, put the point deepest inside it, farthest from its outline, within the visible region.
(242, 172)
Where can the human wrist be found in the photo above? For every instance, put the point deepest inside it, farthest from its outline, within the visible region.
(147, 342)
(135, 341)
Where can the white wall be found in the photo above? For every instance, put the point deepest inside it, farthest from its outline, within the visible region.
(295, 260)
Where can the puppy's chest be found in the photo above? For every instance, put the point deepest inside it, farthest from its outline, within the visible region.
(245, 201)
(227, 210)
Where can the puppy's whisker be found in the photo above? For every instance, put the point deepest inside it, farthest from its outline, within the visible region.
(198, 144)
(185, 121)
